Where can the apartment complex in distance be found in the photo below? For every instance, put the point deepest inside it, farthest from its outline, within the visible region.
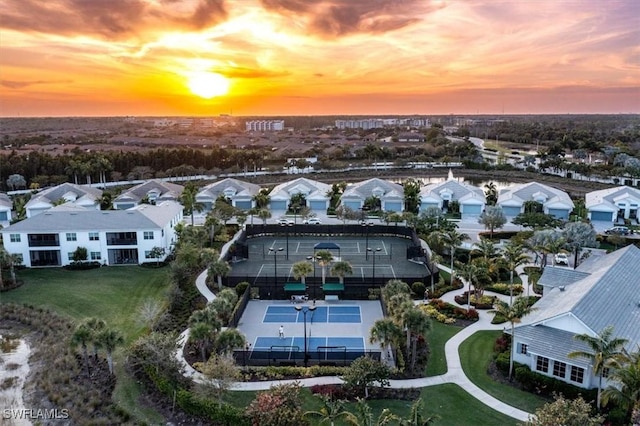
(264, 125)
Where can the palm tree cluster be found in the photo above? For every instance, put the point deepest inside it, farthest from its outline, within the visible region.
(206, 325)
(405, 320)
(95, 332)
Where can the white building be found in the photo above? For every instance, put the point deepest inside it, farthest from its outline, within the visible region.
(601, 292)
(612, 204)
(471, 198)
(314, 193)
(240, 194)
(112, 237)
(155, 191)
(390, 195)
(79, 195)
(264, 125)
(6, 205)
(554, 201)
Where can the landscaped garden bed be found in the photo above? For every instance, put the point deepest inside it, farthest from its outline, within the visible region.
(485, 302)
(447, 313)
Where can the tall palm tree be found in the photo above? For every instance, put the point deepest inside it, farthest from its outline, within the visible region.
(264, 214)
(514, 256)
(110, 339)
(341, 269)
(385, 331)
(469, 272)
(417, 324)
(452, 239)
(603, 351)
(513, 314)
(229, 339)
(82, 336)
(626, 373)
(485, 248)
(301, 270)
(219, 269)
(189, 201)
(331, 410)
(433, 265)
(324, 258)
(201, 333)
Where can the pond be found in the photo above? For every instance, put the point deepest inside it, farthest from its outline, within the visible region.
(14, 369)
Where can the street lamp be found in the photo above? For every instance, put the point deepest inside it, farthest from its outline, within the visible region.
(286, 227)
(274, 252)
(373, 253)
(366, 244)
(304, 310)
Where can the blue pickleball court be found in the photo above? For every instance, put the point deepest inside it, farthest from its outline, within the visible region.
(322, 314)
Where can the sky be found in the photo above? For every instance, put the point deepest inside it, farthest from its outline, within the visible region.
(319, 57)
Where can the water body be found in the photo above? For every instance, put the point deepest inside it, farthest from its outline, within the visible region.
(14, 369)
(475, 182)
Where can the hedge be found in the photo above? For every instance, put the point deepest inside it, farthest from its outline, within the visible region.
(547, 386)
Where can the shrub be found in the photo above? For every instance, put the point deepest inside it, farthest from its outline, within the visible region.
(503, 288)
(486, 302)
(241, 287)
(546, 386)
(418, 289)
(81, 266)
(502, 362)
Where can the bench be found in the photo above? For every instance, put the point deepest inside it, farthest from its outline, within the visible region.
(331, 297)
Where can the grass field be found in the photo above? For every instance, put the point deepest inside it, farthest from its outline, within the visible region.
(437, 338)
(114, 294)
(475, 356)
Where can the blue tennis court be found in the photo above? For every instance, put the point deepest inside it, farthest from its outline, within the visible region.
(322, 314)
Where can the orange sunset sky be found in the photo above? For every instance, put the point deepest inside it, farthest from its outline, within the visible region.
(313, 57)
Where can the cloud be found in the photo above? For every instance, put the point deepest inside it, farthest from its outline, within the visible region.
(22, 84)
(246, 72)
(109, 19)
(335, 18)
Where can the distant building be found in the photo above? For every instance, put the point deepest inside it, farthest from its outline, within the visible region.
(314, 193)
(609, 205)
(156, 191)
(80, 195)
(238, 192)
(470, 198)
(391, 195)
(554, 201)
(411, 137)
(264, 125)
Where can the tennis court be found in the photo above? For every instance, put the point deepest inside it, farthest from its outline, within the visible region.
(322, 314)
(318, 348)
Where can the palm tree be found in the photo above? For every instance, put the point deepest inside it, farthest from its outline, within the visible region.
(219, 269)
(452, 239)
(230, 339)
(514, 256)
(202, 334)
(513, 314)
(364, 415)
(82, 336)
(385, 331)
(341, 269)
(469, 272)
(189, 201)
(96, 326)
(491, 193)
(109, 339)
(301, 270)
(626, 373)
(417, 324)
(416, 418)
(324, 258)
(262, 199)
(331, 410)
(264, 214)
(604, 349)
(433, 265)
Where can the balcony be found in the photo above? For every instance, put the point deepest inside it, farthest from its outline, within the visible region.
(43, 240)
(122, 239)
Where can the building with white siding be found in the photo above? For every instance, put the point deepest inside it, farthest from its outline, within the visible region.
(264, 125)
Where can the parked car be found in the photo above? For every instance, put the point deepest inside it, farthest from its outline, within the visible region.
(620, 230)
(312, 221)
(284, 221)
(562, 259)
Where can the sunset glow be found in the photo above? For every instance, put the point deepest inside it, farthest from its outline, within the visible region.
(277, 57)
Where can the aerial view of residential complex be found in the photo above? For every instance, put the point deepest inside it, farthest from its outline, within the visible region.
(337, 212)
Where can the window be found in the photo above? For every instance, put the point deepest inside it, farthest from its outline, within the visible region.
(94, 236)
(577, 374)
(559, 369)
(95, 255)
(71, 236)
(542, 364)
(605, 372)
(14, 238)
(3, 216)
(147, 254)
(523, 348)
(70, 255)
(148, 235)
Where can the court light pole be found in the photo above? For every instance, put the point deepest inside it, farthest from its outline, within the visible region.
(304, 310)
(373, 253)
(274, 252)
(366, 244)
(286, 230)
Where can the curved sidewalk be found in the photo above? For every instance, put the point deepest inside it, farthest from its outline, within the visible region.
(454, 373)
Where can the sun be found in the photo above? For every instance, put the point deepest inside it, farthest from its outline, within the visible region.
(208, 84)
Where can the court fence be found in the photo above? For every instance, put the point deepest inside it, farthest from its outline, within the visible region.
(240, 307)
(292, 356)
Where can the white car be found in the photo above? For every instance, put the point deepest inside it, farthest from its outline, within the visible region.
(284, 221)
(562, 259)
(312, 221)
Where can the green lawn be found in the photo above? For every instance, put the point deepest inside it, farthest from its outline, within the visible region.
(475, 355)
(114, 294)
(437, 338)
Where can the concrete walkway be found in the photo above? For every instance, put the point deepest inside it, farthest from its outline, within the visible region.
(454, 373)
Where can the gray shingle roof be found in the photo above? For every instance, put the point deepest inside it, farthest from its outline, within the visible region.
(364, 189)
(554, 277)
(525, 192)
(314, 188)
(607, 196)
(552, 343)
(213, 190)
(457, 189)
(57, 192)
(167, 190)
(63, 220)
(5, 200)
(608, 295)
